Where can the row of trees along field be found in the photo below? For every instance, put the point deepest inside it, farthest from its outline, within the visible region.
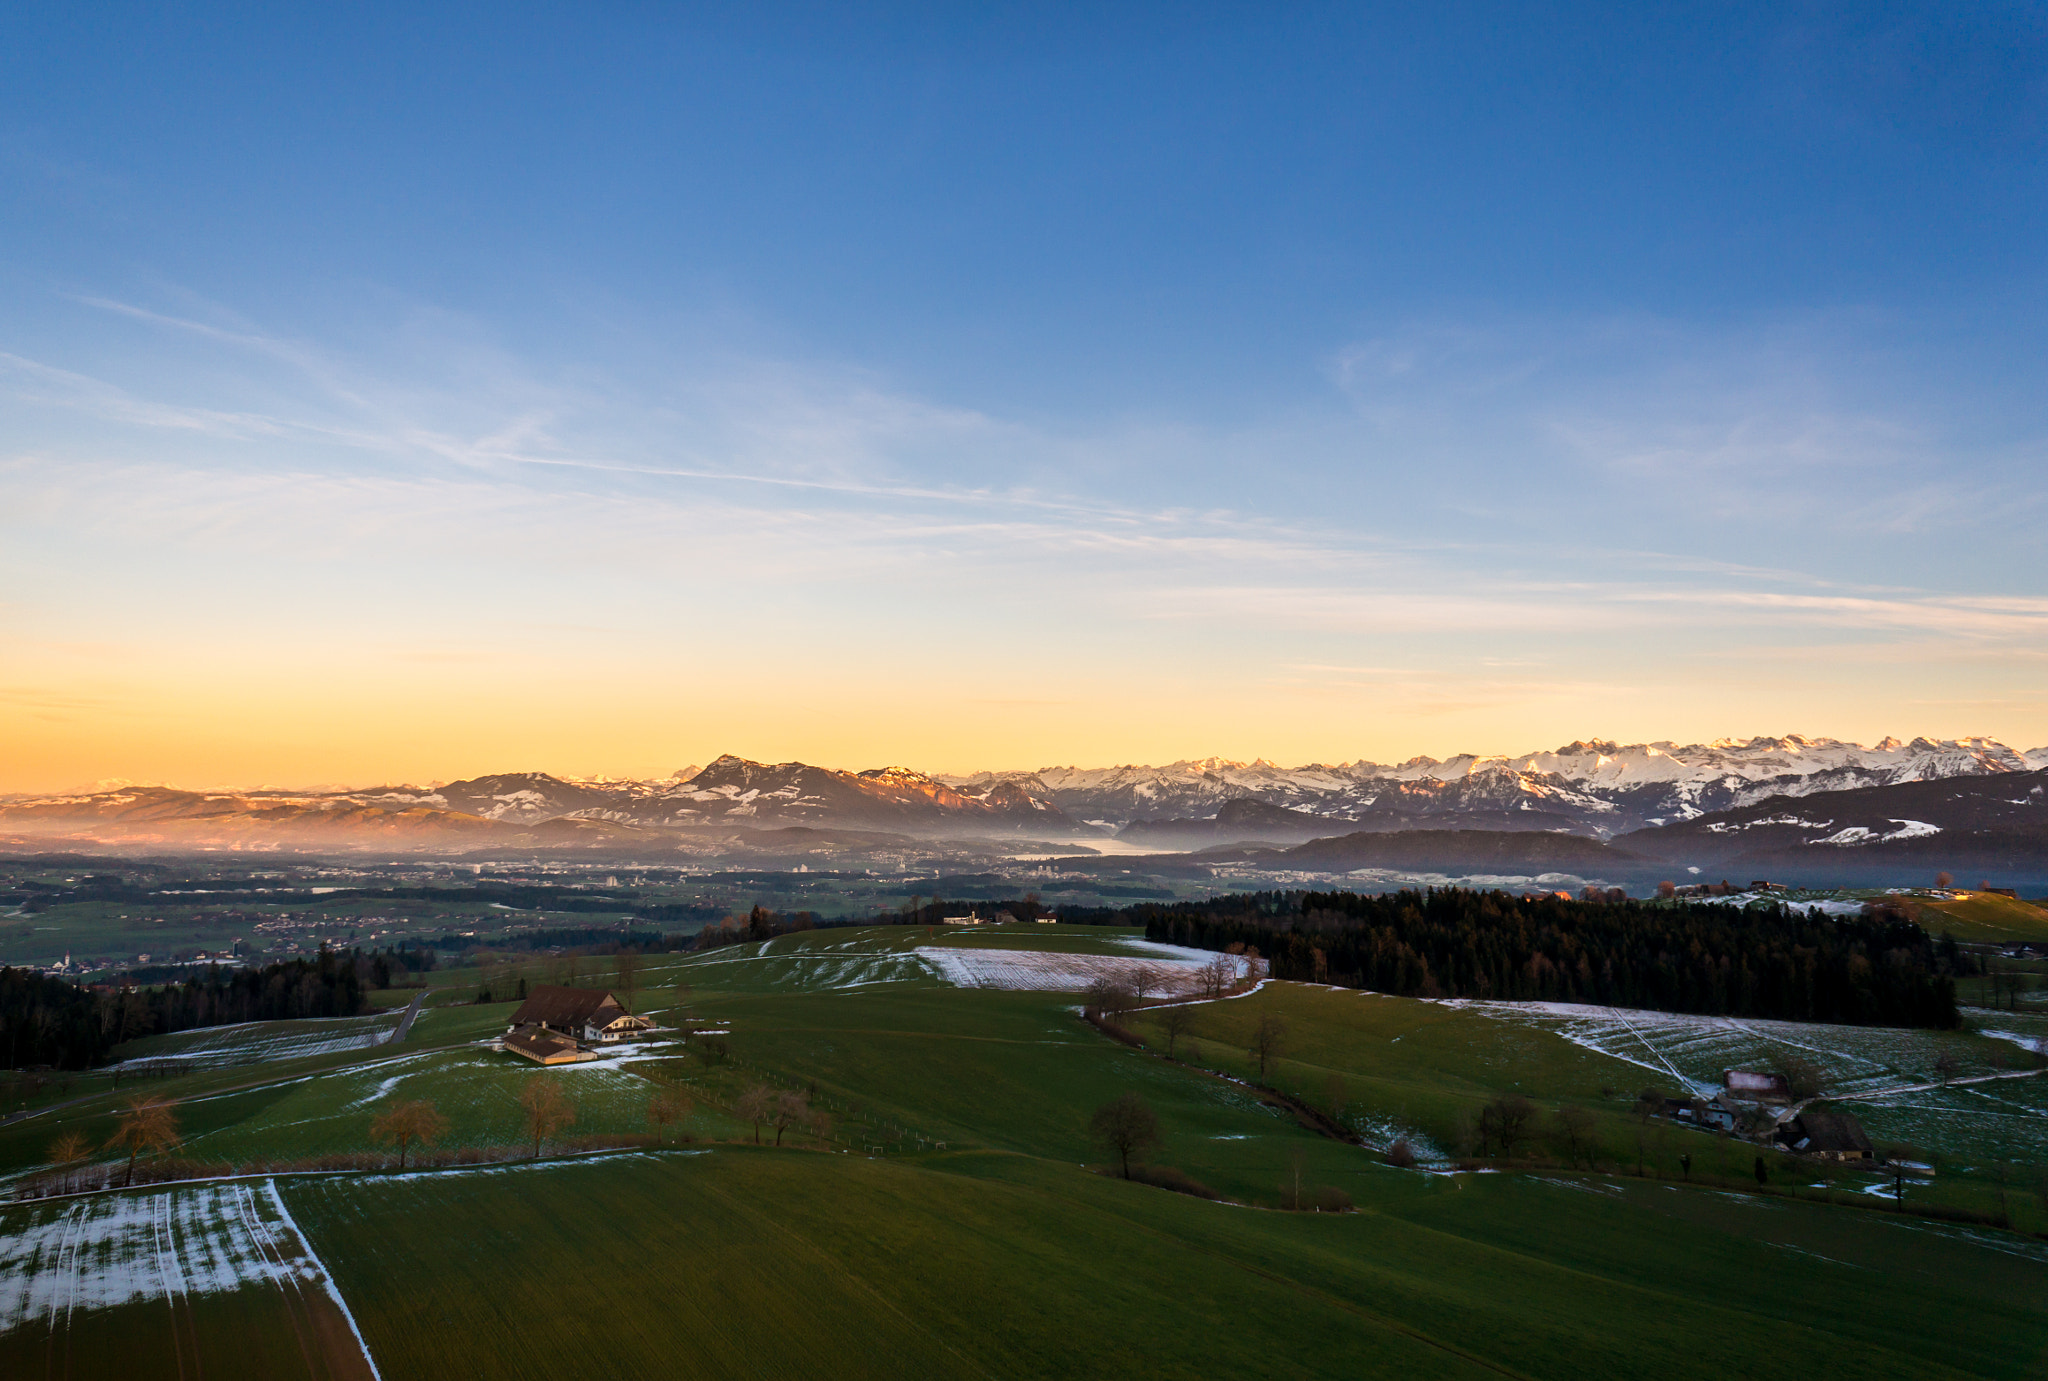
(1761, 961)
(54, 1022)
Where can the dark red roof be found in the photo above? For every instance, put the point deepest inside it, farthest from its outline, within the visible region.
(563, 1008)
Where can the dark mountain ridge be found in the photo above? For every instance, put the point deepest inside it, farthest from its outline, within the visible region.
(1995, 827)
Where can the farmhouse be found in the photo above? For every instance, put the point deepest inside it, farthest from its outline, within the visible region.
(1827, 1135)
(1700, 1112)
(581, 1014)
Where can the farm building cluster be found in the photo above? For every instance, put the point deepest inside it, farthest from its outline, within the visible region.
(557, 1025)
(1762, 1105)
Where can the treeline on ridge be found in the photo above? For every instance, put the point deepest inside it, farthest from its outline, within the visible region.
(47, 1021)
(1760, 961)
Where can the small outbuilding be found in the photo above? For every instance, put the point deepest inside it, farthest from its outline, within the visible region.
(1826, 1136)
(1748, 1087)
(542, 1046)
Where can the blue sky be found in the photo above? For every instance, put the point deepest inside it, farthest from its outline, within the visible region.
(400, 394)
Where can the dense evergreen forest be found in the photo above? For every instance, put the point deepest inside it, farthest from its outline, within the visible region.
(53, 1022)
(1763, 961)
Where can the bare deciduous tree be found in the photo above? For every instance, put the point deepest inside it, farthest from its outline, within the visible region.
(669, 1104)
(626, 967)
(548, 1110)
(1267, 1038)
(1125, 1126)
(1336, 1093)
(67, 1151)
(1109, 996)
(755, 1104)
(1575, 1125)
(1174, 1021)
(145, 1124)
(791, 1108)
(1803, 1078)
(405, 1123)
(1143, 981)
(1214, 978)
(1504, 1122)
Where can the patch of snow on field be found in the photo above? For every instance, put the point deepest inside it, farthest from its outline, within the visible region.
(114, 1249)
(2036, 1044)
(1697, 1049)
(1049, 970)
(258, 1042)
(1162, 950)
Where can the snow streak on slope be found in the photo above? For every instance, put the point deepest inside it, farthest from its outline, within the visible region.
(255, 1042)
(1048, 971)
(1856, 1062)
(109, 1249)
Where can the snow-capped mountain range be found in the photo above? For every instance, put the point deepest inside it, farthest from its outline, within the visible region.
(1594, 788)
(1590, 787)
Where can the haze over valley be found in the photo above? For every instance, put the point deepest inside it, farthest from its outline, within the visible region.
(806, 691)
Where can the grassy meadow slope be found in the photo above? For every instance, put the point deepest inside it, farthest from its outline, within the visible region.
(1984, 917)
(952, 1218)
(781, 1264)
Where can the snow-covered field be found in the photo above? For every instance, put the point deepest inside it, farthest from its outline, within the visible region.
(1170, 967)
(255, 1042)
(1694, 1050)
(109, 1249)
(795, 964)
(1886, 1075)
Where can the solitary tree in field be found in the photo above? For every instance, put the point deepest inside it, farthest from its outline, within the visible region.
(67, 1151)
(627, 965)
(669, 1104)
(1267, 1038)
(1125, 1126)
(1575, 1125)
(1508, 1117)
(755, 1105)
(1174, 1021)
(1803, 1078)
(548, 1110)
(1944, 880)
(405, 1123)
(145, 1124)
(1336, 1093)
(790, 1108)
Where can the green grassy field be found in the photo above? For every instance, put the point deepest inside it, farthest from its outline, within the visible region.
(953, 1218)
(1984, 917)
(787, 1264)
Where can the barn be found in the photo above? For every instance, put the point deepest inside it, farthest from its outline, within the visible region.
(1826, 1135)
